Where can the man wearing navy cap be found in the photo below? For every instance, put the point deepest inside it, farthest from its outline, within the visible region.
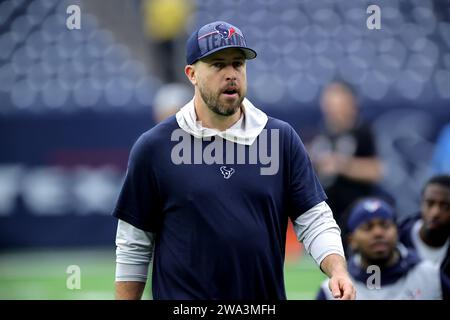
(380, 267)
(209, 191)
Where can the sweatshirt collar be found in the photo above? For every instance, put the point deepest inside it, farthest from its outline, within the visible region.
(244, 131)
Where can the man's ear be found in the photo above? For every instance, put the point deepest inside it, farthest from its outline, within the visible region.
(189, 70)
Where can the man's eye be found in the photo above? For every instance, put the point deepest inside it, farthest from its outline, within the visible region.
(366, 227)
(385, 225)
(218, 65)
(238, 64)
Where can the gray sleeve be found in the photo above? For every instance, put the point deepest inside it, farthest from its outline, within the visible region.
(319, 232)
(134, 252)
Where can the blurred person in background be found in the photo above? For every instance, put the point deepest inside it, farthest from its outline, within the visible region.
(428, 232)
(169, 99)
(165, 24)
(441, 157)
(382, 268)
(344, 153)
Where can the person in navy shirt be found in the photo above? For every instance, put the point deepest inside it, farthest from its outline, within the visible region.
(208, 192)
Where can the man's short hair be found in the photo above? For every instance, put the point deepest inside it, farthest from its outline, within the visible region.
(442, 180)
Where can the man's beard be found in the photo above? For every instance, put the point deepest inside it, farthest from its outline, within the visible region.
(381, 261)
(212, 101)
(437, 235)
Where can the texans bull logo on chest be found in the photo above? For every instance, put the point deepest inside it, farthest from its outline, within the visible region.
(226, 172)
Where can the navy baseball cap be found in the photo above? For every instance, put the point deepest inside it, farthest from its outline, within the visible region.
(368, 209)
(213, 37)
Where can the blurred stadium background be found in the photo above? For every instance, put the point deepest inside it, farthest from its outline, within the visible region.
(72, 102)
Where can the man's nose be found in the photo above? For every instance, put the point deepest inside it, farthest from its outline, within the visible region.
(434, 210)
(231, 73)
(378, 231)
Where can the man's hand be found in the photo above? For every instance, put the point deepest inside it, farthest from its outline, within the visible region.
(340, 285)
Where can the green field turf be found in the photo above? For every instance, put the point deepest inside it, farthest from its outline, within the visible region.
(42, 275)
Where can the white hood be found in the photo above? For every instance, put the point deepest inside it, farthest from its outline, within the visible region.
(245, 131)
